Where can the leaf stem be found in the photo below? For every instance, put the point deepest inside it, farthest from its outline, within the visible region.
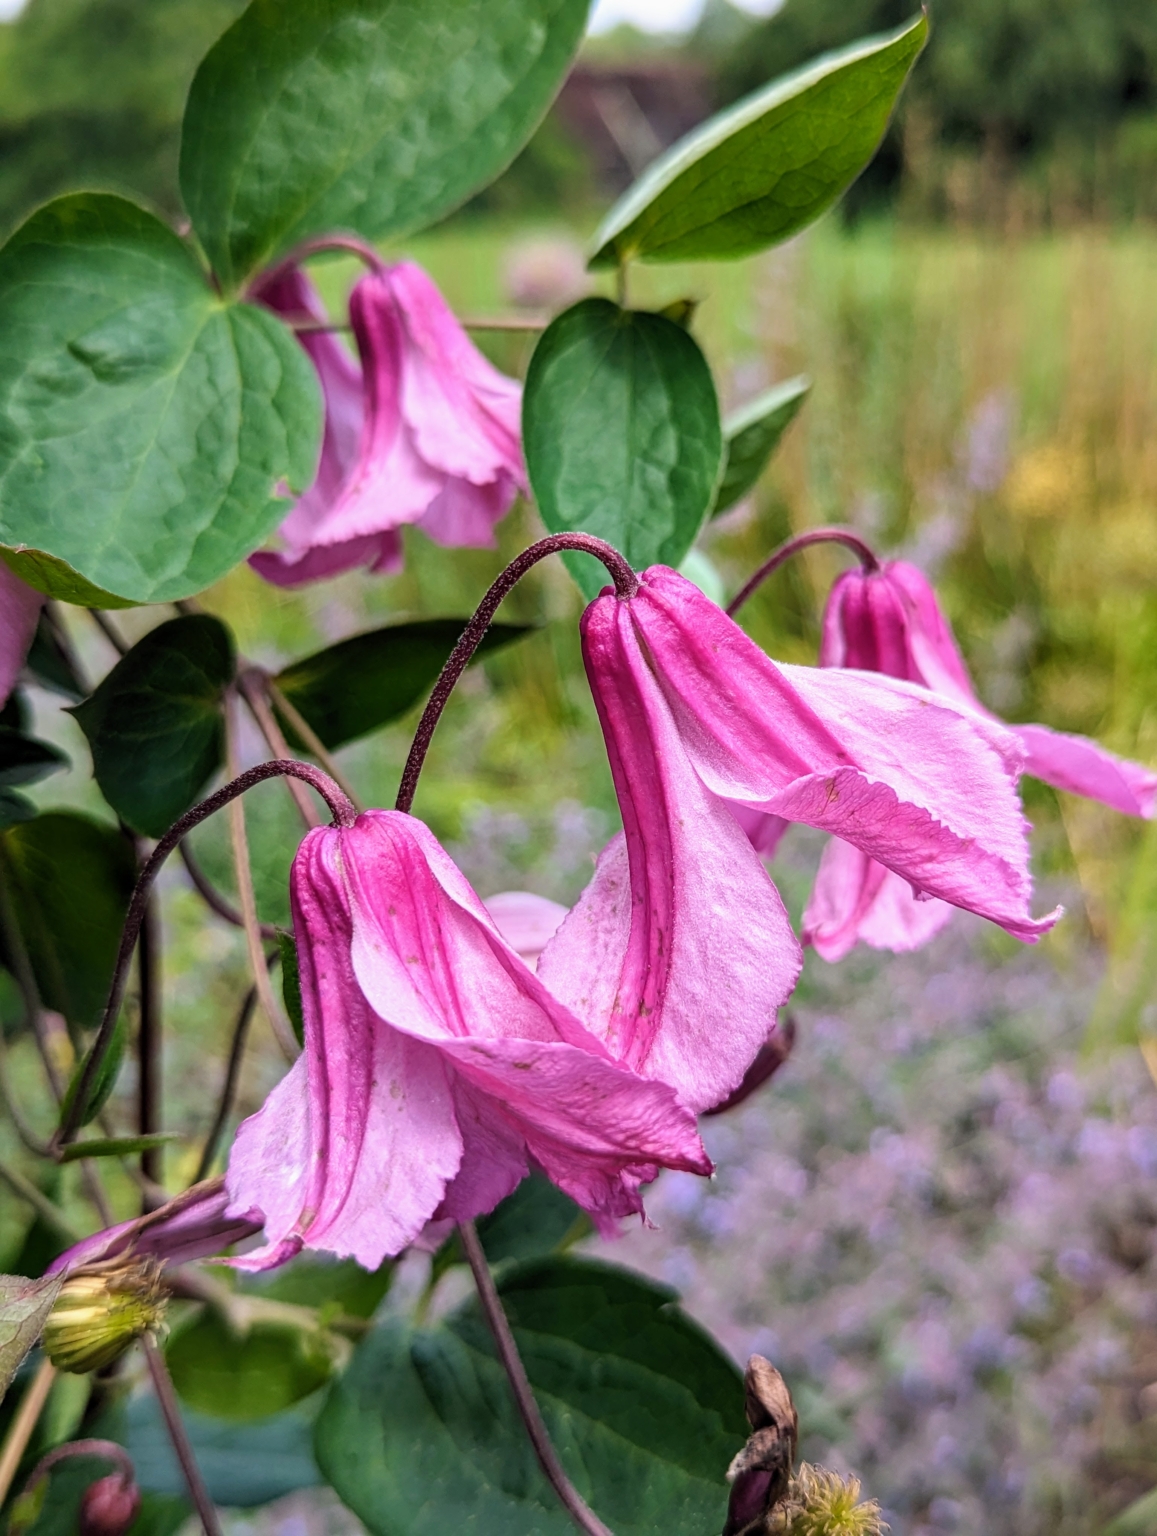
(243, 874)
(212, 897)
(569, 1497)
(867, 555)
(229, 1087)
(317, 246)
(20, 1430)
(309, 736)
(149, 1037)
(251, 688)
(626, 585)
(109, 631)
(343, 814)
(167, 1398)
(108, 1450)
(27, 1191)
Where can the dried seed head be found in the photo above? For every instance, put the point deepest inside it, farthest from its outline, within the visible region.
(100, 1310)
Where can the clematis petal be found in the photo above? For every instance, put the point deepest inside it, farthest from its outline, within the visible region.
(680, 927)
(193, 1225)
(429, 1042)
(20, 607)
(919, 782)
(1082, 767)
(527, 922)
(856, 900)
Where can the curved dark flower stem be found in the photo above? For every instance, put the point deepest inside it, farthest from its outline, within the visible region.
(569, 1497)
(107, 1450)
(626, 585)
(343, 815)
(229, 1087)
(167, 1398)
(867, 557)
(315, 247)
(212, 897)
(149, 1039)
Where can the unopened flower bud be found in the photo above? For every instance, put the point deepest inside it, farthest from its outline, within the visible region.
(100, 1310)
(109, 1506)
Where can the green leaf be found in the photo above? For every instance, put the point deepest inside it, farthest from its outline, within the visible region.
(315, 1280)
(50, 664)
(115, 1146)
(1136, 1519)
(144, 423)
(63, 1490)
(751, 435)
(291, 983)
(352, 688)
(621, 433)
(156, 724)
(768, 166)
(103, 1084)
(24, 1306)
(377, 116)
(266, 1370)
(70, 879)
(24, 760)
(420, 1436)
(536, 1220)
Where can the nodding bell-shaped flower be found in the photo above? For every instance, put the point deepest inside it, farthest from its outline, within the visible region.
(437, 1068)
(679, 951)
(889, 621)
(20, 607)
(425, 431)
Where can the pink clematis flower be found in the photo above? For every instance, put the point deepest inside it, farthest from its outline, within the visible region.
(425, 431)
(191, 1226)
(437, 1068)
(677, 954)
(20, 609)
(889, 621)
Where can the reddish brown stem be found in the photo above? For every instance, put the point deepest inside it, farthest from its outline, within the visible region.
(343, 815)
(167, 1399)
(867, 555)
(626, 585)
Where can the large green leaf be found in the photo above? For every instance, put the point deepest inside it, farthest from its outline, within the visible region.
(24, 1306)
(362, 683)
(751, 435)
(156, 723)
(621, 433)
(420, 1436)
(24, 760)
(759, 172)
(371, 115)
(145, 424)
(70, 879)
(253, 1377)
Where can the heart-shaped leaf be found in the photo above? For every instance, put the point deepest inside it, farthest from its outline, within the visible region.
(768, 166)
(359, 684)
(145, 424)
(751, 435)
(24, 1306)
(621, 432)
(70, 879)
(420, 1435)
(156, 723)
(377, 116)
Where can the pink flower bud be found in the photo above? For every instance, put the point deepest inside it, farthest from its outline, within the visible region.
(109, 1506)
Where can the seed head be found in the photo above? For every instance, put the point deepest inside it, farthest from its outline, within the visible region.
(100, 1310)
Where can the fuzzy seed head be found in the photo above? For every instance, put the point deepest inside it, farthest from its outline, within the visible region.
(100, 1310)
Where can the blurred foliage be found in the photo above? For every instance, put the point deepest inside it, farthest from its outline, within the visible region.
(92, 92)
(1018, 80)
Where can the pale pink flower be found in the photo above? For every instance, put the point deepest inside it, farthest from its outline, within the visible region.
(193, 1225)
(889, 621)
(425, 431)
(677, 954)
(437, 1068)
(20, 609)
(527, 922)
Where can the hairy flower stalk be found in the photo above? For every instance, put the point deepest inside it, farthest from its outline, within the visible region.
(424, 430)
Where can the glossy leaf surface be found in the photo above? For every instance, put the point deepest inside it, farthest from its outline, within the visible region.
(767, 167)
(70, 878)
(359, 684)
(156, 723)
(376, 116)
(420, 1435)
(144, 423)
(622, 435)
(245, 1378)
(751, 435)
